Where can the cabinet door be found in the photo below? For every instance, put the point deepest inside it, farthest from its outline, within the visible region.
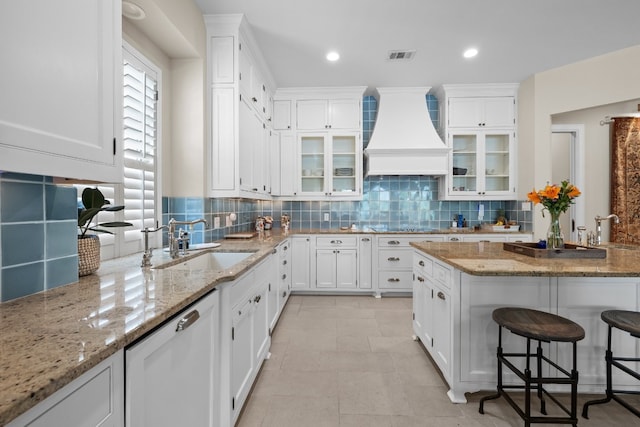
(300, 262)
(482, 112)
(260, 321)
(326, 268)
(442, 331)
(242, 356)
(61, 86)
(344, 170)
(222, 154)
(96, 398)
(346, 268)
(497, 165)
(282, 115)
(222, 65)
(344, 114)
(289, 175)
(174, 368)
(499, 111)
(312, 164)
(365, 252)
(312, 114)
(465, 112)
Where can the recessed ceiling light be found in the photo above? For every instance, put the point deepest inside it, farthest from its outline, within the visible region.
(470, 53)
(333, 56)
(132, 11)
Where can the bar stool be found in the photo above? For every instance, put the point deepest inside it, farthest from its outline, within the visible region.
(628, 321)
(542, 327)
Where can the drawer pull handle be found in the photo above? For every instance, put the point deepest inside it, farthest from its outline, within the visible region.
(257, 299)
(187, 320)
(393, 242)
(393, 258)
(420, 279)
(284, 294)
(421, 263)
(336, 242)
(441, 295)
(286, 247)
(284, 276)
(393, 279)
(366, 239)
(454, 239)
(284, 262)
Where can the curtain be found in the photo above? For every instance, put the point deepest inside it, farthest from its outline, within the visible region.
(625, 179)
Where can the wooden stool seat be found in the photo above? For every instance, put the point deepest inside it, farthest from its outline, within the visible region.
(628, 321)
(538, 325)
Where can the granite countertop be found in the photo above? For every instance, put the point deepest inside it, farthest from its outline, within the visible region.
(466, 230)
(490, 259)
(50, 338)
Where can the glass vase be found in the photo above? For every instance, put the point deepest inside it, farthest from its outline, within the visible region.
(555, 238)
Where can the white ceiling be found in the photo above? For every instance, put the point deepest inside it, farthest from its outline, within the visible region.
(516, 38)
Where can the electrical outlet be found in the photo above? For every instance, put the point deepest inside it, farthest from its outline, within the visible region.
(326, 216)
(216, 222)
(526, 206)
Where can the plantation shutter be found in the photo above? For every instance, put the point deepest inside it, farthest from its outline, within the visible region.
(140, 142)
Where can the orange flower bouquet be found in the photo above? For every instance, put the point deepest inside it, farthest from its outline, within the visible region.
(556, 200)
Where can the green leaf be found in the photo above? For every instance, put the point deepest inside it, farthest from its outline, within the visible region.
(92, 198)
(115, 224)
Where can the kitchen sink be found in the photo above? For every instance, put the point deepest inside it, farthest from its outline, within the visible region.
(214, 260)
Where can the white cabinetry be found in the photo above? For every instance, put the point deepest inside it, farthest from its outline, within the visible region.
(246, 344)
(284, 272)
(393, 262)
(365, 252)
(95, 398)
(300, 262)
(282, 114)
(433, 315)
(61, 103)
(336, 262)
(318, 114)
(330, 165)
(480, 128)
(238, 138)
(175, 367)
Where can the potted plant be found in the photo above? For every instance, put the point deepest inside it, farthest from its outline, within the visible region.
(93, 202)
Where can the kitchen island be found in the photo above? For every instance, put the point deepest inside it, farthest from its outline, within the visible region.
(457, 287)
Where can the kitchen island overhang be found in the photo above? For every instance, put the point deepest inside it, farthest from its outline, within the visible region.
(458, 285)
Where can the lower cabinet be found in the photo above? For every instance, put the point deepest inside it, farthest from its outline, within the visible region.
(93, 399)
(301, 262)
(171, 375)
(284, 273)
(246, 345)
(336, 262)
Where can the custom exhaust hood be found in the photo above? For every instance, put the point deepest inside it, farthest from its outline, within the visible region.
(404, 141)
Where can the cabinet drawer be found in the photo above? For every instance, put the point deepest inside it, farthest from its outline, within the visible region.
(396, 242)
(423, 265)
(394, 259)
(395, 280)
(336, 241)
(442, 274)
(241, 288)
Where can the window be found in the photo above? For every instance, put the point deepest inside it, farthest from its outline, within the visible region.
(139, 193)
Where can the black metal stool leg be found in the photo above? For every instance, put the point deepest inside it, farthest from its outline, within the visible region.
(608, 358)
(543, 405)
(499, 388)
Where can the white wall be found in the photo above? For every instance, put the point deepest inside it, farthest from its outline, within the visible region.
(576, 88)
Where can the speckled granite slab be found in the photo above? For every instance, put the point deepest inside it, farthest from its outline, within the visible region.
(50, 338)
(490, 259)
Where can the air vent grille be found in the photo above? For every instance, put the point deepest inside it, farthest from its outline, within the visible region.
(401, 55)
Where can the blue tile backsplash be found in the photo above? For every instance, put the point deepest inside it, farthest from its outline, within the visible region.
(38, 219)
(38, 246)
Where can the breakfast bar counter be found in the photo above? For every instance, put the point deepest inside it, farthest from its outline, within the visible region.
(458, 285)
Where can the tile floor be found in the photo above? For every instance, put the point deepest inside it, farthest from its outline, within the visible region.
(350, 361)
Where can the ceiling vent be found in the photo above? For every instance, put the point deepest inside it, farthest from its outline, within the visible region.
(401, 55)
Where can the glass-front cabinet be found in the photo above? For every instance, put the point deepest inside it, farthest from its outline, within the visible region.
(328, 164)
(481, 165)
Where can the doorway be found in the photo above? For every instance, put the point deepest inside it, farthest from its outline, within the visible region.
(567, 153)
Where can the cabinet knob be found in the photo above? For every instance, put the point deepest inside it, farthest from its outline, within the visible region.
(257, 299)
(421, 263)
(284, 276)
(284, 262)
(187, 320)
(254, 99)
(284, 294)
(420, 279)
(441, 295)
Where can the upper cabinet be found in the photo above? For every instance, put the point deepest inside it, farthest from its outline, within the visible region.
(239, 104)
(61, 103)
(326, 124)
(479, 125)
(318, 114)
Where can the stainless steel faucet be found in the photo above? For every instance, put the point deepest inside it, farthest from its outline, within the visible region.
(148, 252)
(174, 243)
(599, 220)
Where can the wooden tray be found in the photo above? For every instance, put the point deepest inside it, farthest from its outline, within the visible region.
(570, 251)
